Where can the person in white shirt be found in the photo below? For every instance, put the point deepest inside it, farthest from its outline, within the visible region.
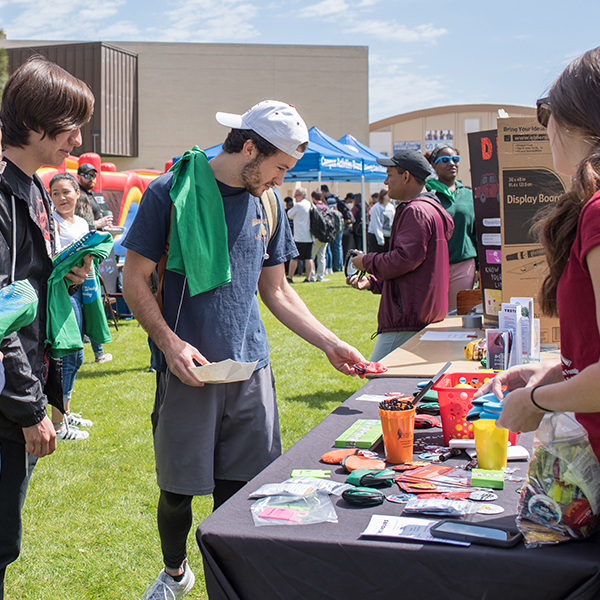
(300, 215)
(64, 192)
(380, 224)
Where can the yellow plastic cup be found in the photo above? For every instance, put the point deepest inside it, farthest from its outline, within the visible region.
(491, 443)
(398, 434)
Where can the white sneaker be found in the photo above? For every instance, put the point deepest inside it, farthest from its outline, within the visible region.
(71, 434)
(106, 357)
(77, 420)
(166, 588)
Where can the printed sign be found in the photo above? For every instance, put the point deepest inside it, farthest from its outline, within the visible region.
(483, 153)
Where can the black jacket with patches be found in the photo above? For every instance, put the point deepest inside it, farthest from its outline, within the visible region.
(32, 376)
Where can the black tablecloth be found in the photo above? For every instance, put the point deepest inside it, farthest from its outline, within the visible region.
(331, 561)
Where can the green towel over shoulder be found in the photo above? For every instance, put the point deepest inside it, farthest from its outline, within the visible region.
(198, 225)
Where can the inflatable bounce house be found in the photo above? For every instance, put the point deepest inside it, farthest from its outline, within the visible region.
(121, 190)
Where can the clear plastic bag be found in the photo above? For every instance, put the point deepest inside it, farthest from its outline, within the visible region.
(294, 510)
(560, 500)
(300, 486)
(440, 507)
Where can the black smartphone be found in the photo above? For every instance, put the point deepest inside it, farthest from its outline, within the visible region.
(476, 533)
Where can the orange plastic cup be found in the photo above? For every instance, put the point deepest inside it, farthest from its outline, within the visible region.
(398, 434)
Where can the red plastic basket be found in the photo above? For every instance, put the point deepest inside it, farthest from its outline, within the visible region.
(455, 402)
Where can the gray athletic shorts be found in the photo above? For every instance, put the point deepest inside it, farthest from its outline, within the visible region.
(222, 431)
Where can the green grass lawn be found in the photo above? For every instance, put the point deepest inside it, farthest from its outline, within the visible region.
(90, 515)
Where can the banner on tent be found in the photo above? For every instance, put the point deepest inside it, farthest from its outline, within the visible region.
(341, 163)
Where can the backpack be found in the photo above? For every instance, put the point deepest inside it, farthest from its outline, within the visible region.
(323, 224)
(340, 219)
(343, 207)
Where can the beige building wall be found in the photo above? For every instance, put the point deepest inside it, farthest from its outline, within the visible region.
(182, 86)
(461, 119)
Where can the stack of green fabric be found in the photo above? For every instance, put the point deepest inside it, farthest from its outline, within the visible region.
(62, 331)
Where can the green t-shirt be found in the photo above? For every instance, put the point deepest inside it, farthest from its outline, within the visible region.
(459, 205)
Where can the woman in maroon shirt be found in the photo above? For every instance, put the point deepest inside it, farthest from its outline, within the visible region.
(570, 234)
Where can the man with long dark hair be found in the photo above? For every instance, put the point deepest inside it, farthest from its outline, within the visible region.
(43, 108)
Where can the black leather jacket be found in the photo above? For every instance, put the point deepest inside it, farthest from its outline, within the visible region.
(32, 375)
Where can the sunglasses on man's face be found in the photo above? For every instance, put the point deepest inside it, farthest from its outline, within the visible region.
(89, 176)
(446, 159)
(543, 111)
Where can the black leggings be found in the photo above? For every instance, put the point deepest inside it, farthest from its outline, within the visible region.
(175, 519)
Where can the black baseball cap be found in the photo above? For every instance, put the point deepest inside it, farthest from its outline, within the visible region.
(409, 160)
(86, 168)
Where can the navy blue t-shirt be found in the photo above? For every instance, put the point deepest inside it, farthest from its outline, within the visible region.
(224, 322)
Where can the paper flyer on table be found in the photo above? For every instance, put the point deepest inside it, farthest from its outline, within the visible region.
(225, 371)
(408, 528)
(448, 336)
(373, 397)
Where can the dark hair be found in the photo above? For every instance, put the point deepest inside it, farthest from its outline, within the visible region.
(349, 196)
(66, 177)
(41, 96)
(316, 196)
(574, 100)
(382, 194)
(325, 188)
(433, 155)
(235, 140)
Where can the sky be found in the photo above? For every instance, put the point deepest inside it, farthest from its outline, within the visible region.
(421, 54)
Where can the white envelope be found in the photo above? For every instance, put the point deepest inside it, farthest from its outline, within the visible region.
(225, 371)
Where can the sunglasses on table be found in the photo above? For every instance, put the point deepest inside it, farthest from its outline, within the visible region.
(89, 176)
(446, 159)
(543, 111)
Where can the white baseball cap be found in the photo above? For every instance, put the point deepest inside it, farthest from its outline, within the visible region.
(278, 122)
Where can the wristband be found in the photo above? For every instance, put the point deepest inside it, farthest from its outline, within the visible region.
(535, 403)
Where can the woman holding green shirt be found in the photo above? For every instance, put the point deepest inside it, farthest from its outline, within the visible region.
(458, 202)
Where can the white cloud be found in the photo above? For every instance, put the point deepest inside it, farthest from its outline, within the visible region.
(393, 31)
(119, 31)
(393, 89)
(43, 20)
(326, 8)
(210, 21)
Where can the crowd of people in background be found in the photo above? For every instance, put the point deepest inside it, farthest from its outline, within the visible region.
(442, 182)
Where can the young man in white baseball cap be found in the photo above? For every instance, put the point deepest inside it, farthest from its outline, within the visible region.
(212, 439)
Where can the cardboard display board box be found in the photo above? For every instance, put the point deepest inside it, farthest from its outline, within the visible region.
(528, 183)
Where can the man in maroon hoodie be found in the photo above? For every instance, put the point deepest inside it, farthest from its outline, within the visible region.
(412, 277)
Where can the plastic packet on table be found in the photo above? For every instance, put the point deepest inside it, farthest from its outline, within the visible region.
(440, 507)
(326, 485)
(560, 500)
(292, 487)
(294, 510)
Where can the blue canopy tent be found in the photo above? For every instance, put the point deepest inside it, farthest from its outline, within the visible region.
(353, 160)
(319, 161)
(372, 170)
